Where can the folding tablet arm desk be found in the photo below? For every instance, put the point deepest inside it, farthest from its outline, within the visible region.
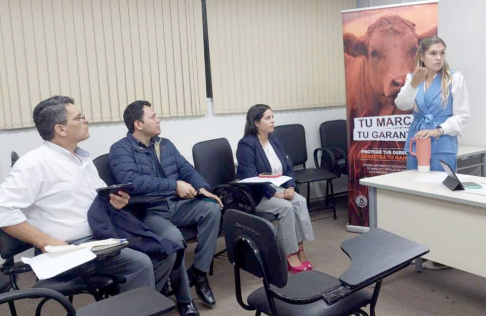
(374, 256)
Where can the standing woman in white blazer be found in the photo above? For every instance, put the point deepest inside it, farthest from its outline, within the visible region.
(440, 103)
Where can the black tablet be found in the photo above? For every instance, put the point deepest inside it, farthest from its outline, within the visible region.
(106, 191)
(452, 181)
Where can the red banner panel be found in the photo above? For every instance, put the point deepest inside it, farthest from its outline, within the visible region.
(380, 47)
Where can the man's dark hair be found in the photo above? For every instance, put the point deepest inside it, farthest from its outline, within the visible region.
(254, 114)
(134, 112)
(49, 113)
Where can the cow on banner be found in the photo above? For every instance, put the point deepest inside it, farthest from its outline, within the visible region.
(377, 64)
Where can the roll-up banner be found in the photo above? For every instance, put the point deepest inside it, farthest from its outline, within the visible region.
(380, 47)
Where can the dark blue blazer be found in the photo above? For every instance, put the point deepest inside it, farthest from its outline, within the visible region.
(133, 162)
(252, 161)
(106, 222)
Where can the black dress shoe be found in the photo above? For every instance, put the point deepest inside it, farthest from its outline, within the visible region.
(203, 290)
(187, 309)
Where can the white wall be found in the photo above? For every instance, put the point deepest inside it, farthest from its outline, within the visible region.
(183, 132)
(462, 25)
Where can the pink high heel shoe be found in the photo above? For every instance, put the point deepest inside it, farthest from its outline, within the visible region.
(296, 269)
(306, 263)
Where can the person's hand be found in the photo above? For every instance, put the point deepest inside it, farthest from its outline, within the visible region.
(51, 241)
(289, 193)
(279, 195)
(418, 76)
(185, 191)
(205, 192)
(120, 200)
(427, 133)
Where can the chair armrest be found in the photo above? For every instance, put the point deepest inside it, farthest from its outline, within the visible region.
(16, 268)
(38, 293)
(339, 151)
(328, 155)
(235, 196)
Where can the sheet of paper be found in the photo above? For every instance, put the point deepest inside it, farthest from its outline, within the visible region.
(48, 265)
(277, 181)
(440, 177)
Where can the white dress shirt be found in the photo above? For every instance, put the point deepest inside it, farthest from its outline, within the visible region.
(461, 112)
(272, 157)
(52, 190)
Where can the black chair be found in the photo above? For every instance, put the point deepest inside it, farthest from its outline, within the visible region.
(334, 149)
(292, 139)
(253, 245)
(333, 138)
(70, 283)
(143, 301)
(214, 160)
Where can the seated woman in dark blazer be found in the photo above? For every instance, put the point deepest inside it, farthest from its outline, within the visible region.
(259, 152)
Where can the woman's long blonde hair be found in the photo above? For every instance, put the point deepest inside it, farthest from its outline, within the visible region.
(446, 72)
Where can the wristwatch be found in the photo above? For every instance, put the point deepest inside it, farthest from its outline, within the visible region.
(440, 130)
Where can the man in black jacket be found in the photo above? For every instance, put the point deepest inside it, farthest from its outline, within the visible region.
(154, 166)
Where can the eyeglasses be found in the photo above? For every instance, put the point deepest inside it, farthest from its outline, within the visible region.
(80, 118)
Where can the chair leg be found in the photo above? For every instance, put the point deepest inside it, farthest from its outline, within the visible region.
(211, 267)
(13, 311)
(333, 199)
(374, 298)
(308, 195)
(13, 282)
(327, 194)
(212, 261)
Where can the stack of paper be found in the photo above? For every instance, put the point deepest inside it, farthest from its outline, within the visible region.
(277, 181)
(59, 259)
(95, 245)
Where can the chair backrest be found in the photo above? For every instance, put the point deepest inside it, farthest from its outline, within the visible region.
(102, 163)
(292, 139)
(266, 239)
(213, 159)
(334, 135)
(10, 246)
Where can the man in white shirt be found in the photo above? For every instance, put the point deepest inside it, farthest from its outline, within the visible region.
(46, 197)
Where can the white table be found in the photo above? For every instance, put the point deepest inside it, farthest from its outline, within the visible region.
(452, 224)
